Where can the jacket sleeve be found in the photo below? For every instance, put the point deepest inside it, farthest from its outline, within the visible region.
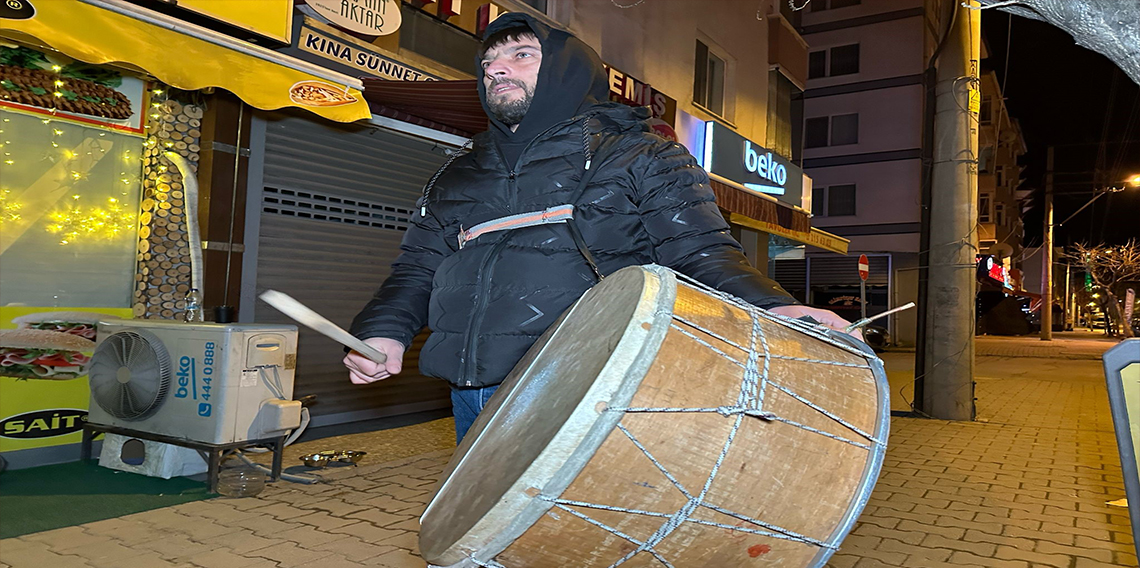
(399, 309)
(689, 233)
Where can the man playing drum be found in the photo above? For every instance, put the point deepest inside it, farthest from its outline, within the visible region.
(563, 189)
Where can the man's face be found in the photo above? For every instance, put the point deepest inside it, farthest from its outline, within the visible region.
(510, 73)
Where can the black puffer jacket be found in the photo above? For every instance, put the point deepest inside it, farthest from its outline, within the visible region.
(487, 301)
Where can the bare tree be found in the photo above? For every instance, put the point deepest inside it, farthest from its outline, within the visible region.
(1110, 267)
(1108, 27)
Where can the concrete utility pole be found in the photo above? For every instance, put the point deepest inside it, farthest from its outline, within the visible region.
(1047, 254)
(948, 391)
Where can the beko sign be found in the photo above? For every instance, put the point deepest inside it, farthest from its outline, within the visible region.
(765, 165)
(758, 169)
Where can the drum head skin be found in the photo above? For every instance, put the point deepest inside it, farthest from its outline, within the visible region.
(547, 419)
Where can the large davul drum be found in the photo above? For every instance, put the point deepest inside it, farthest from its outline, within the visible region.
(662, 423)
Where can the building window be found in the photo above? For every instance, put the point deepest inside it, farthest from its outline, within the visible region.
(984, 207)
(833, 201)
(844, 60)
(817, 64)
(999, 176)
(836, 130)
(539, 5)
(819, 201)
(999, 214)
(840, 200)
(444, 43)
(708, 88)
(821, 5)
(986, 160)
(985, 111)
(844, 129)
(785, 116)
(815, 132)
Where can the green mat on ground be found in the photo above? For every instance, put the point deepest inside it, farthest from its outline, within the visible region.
(55, 496)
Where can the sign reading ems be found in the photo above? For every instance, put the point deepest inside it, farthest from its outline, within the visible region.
(730, 155)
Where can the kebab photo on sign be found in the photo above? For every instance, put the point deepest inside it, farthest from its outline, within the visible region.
(49, 345)
(29, 78)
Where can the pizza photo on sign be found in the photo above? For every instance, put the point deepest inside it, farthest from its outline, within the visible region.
(319, 94)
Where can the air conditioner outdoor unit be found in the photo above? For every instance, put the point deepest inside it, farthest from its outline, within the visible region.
(208, 383)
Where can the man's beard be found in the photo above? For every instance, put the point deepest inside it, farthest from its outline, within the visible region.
(512, 112)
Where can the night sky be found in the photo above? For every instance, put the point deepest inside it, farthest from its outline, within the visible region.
(1063, 95)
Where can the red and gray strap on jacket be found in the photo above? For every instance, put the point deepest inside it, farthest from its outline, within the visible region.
(556, 214)
(550, 215)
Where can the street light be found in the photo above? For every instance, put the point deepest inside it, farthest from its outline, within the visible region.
(1133, 182)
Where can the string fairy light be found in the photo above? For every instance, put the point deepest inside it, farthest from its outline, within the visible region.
(75, 224)
(9, 209)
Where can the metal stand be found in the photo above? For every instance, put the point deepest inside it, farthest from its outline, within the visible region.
(213, 451)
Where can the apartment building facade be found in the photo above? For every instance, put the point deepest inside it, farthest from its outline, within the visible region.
(1001, 146)
(863, 124)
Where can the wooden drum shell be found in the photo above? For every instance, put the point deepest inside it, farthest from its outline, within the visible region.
(804, 473)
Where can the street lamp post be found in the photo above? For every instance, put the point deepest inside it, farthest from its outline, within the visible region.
(1047, 268)
(1047, 259)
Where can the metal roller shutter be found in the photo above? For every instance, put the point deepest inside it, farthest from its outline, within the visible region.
(791, 274)
(336, 202)
(844, 270)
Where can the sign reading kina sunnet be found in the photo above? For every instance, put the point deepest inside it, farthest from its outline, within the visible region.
(757, 168)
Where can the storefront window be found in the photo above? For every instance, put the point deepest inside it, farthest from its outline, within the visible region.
(70, 198)
(70, 185)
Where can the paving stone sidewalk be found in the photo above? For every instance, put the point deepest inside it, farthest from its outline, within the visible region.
(1023, 487)
(1081, 344)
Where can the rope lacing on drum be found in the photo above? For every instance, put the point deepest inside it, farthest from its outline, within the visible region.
(750, 403)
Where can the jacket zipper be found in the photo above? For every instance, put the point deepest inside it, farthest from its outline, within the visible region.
(483, 279)
(482, 289)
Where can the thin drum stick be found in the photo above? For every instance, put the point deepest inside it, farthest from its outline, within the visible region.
(866, 321)
(306, 316)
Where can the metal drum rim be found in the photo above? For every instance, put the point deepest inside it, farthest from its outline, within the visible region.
(659, 289)
(878, 451)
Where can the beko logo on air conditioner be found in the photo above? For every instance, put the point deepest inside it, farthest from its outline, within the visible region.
(188, 379)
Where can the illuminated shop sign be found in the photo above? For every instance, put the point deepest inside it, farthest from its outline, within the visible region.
(627, 89)
(992, 270)
(730, 155)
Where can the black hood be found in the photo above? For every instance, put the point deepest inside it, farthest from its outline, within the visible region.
(570, 80)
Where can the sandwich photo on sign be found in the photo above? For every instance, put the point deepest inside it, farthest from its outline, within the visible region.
(42, 354)
(81, 324)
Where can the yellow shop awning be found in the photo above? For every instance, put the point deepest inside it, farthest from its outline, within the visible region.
(813, 237)
(188, 57)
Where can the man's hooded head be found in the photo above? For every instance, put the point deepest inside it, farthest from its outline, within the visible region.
(510, 63)
(570, 78)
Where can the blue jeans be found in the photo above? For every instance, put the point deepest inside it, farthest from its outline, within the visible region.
(466, 403)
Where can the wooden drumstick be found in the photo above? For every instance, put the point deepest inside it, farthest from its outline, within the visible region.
(868, 320)
(305, 316)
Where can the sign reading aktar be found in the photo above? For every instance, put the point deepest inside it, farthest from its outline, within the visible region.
(371, 17)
